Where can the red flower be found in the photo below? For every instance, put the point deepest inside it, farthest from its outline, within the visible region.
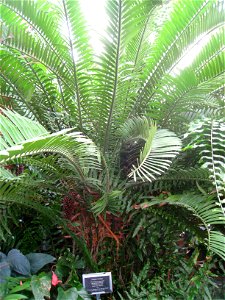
(55, 279)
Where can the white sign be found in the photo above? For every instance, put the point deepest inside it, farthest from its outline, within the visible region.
(98, 283)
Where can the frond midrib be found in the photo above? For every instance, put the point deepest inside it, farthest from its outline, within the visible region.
(108, 126)
(76, 87)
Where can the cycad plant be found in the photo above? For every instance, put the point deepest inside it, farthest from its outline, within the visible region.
(104, 130)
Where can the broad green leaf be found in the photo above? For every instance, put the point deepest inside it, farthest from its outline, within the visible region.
(69, 294)
(18, 262)
(40, 286)
(39, 260)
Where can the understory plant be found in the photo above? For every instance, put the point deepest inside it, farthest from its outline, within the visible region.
(41, 286)
(189, 280)
(119, 153)
(19, 278)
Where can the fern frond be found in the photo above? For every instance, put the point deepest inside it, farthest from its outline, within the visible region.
(209, 63)
(173, 179)
(113, 73)
(31, 29)
(133, 57)
(83, 62)
(205, 210)
(135, 127)
(193, 115)
(217, 243)
(160, 148)
(14, 125)
(209, 137)
(182, 93)
(21, 139)
(36, 15)
(108, 202)
(187, 22)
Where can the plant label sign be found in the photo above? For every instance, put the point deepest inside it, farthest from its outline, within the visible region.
(98, 283)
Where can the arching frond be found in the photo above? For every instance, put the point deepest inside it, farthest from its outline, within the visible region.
(23, 137)
(114, 69)
(36, 34)
(183, 93)
(209, 63)
(173, 179)
(208, 136)
(205, 210)
(186, 24)
(81, 56)
(161, 146)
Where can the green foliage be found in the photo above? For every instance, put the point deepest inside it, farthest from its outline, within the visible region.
(204, 209)
(36, 287)
(40, 286)
(35, 141)
(189, 281)
(207, 136)
(160, 147)
(17, 264)
(74, 121)
(174, 179)
(72, 293)
(43, 285)
(129, 77)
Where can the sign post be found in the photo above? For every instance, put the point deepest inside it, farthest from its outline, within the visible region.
(98, 283)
